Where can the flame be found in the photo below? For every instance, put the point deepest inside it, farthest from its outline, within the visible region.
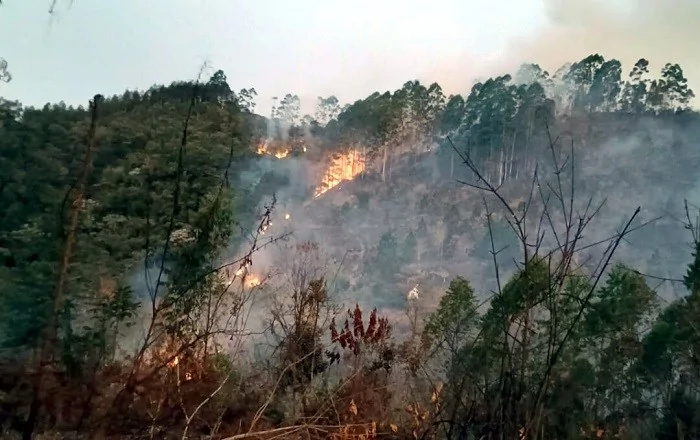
(281, 153)
(174, 363)
(287, 216)
(248, 280)
(252, 281)
(344, 166)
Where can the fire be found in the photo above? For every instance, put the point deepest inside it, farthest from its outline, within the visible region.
(252, 281)
(174, 362)
(344, 166)
(281, 154)
(247, 279)
(263, 148)
(287, 216)
(243, 276)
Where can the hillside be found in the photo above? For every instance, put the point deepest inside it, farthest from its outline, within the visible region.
(410, 265)
(409, 188)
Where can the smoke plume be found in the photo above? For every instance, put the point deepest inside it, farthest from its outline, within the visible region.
(660, 31)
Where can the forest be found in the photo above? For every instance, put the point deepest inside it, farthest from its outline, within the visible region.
(129, 232)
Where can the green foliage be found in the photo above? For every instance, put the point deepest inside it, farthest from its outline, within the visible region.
(89, 345)
(692, 276)
(624, 303)
(129, 205)
(583, 357)
(456, 318)
(609, 374)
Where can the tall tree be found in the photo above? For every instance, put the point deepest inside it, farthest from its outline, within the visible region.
(581, 76)
(327, 109)
(636, 88)
(289, 109)
(671, 91)
(246, 99)
(605, 87)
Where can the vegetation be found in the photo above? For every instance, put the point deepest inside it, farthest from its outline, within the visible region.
(122, 313)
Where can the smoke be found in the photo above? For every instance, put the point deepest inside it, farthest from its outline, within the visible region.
(624, 170)
(660, 31)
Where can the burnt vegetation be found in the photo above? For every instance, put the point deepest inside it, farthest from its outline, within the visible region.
(123, 314)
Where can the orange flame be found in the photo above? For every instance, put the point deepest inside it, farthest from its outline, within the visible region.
(174, 362)
(344, 166)
(248, 280)
(252, 281)
(264, 148)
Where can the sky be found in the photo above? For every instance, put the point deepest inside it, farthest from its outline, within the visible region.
(321, 47)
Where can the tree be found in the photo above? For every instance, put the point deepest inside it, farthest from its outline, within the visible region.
(553, 351)
(327, 109)
(618, 311)
(288, 109)
(140, 196)
(246, 99)
(451, 117)
(409, 248)
(634, 94)
(217, 89)
(581, 76)
(454, 323)
(531, 73)
(452, 329)
(387, 260)
(605, 87)
(674, 85)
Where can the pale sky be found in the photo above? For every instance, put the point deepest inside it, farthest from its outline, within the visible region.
(317, 47)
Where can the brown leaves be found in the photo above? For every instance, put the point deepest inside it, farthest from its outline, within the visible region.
(377, 331)
(362, 431)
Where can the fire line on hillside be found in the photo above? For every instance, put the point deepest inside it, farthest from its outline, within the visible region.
(343, 166)
(264, 148)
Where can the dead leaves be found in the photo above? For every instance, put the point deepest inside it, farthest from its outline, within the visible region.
(353, 408)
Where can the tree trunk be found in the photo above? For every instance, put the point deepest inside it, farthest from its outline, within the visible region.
(384, 164)
(512, 157)
(501, 167)
(49, 335)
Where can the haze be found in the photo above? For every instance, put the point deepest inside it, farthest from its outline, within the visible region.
(313, 47)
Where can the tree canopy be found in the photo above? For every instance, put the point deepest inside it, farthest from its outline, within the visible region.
(123, 212)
